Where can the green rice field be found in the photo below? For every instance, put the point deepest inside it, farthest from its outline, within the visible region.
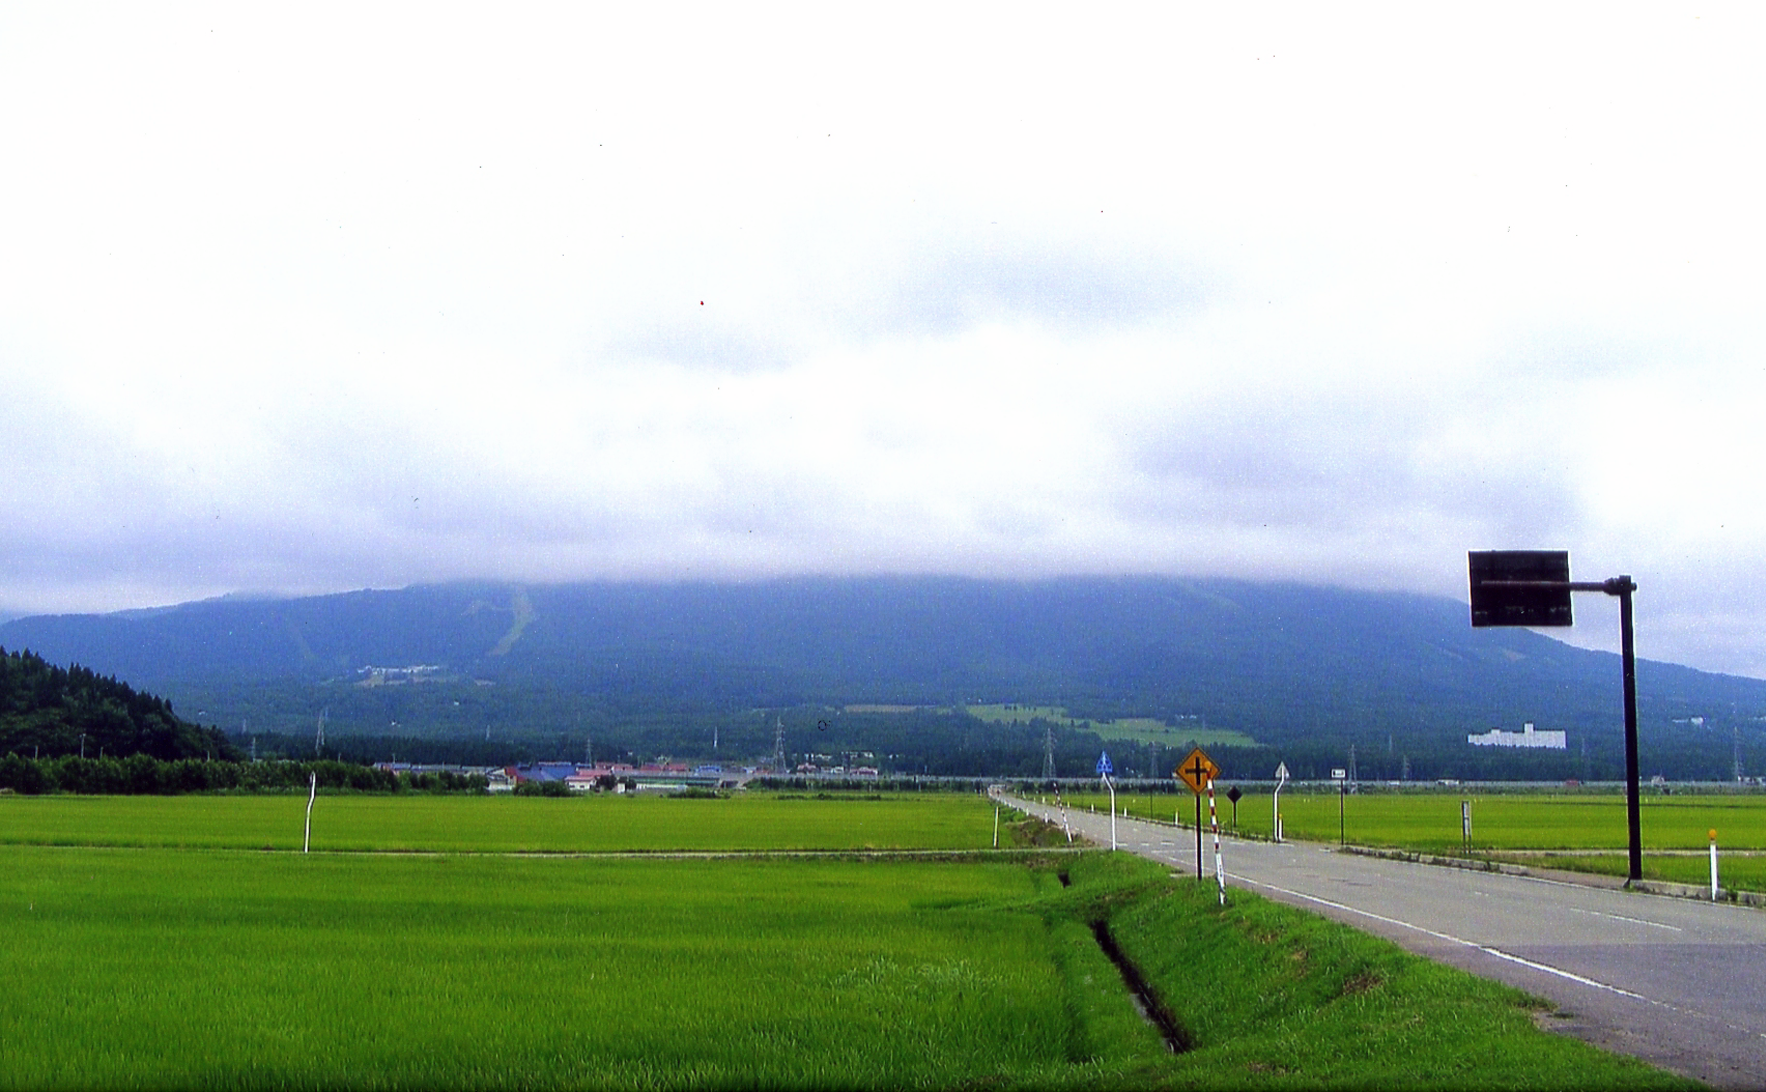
(156, 968)
(1588, 829)
(462, 942)
(501, 824)
(152, 968)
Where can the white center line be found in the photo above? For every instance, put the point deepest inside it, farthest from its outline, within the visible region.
(1622, 917)
(1497, 952)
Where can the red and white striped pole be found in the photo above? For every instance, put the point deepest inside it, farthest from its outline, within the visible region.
(1214, 823)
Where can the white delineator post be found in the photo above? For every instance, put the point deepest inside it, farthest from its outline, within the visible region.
(1214, 823)
(1713, 864)
(312, 791)
(1281, 778)
(1112, 789)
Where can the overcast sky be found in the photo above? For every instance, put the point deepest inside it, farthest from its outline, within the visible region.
(300, 299)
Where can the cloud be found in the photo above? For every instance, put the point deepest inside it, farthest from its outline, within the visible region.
(306, 303)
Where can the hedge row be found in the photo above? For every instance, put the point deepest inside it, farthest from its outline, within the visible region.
(140, 775)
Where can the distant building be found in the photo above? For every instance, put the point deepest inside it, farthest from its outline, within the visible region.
(542, 771)
(1526, 737)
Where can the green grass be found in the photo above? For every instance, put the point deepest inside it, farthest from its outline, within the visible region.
(1508, 826)
(1277, 998)
(149, 968)
(1431, 821)
(1136, 729)
(501, 823)
(1149, 730)
(1163, 807)
(1735, 872)
(222, 968)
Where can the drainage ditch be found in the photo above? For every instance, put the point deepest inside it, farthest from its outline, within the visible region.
(1151, 1007)
(1177, 1037)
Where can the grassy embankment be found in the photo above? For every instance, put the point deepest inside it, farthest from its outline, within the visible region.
(221, 967)
(1587, 831)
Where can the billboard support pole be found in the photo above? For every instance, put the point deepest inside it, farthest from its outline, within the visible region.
(1622, 587)
(1542, 609)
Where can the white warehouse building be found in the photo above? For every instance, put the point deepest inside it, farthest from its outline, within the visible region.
(1526, 737)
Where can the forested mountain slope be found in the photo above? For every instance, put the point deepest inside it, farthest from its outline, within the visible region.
(1278, 661)
(50, 710)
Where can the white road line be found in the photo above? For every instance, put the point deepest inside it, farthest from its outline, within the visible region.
(1557, 972)
(1497, 952)
(1622, 917)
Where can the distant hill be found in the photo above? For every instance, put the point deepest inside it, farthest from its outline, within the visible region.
(1291, 665)
(50, 710)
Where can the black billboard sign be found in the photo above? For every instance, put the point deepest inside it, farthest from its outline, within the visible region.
(1520, 587)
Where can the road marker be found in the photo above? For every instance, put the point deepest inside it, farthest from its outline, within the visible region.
(1281, 778)
(1713, 864)
(1213, 821)
(1104, 769)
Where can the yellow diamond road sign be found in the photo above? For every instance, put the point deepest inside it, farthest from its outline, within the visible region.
(1197, 770)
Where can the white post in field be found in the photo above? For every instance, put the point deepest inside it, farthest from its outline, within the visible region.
(1713, 864)
(312, 790)
(1281, 778)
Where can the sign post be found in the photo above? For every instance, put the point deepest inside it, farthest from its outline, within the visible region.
(1341, 777)
(1532, 588)
(1104, 770)
(1281, 778)
(1197, 770)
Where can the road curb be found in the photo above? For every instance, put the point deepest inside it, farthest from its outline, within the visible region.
(1695, 892)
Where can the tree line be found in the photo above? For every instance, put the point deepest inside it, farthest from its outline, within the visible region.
(144, 775)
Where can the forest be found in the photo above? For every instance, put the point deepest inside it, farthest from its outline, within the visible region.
(47, 710)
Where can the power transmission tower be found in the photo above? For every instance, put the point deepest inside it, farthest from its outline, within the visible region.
(779, 744)
(319, 740)
(1048, 752)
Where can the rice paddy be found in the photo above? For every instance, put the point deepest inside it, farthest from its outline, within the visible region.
(159, 945)
(1579, 831)
(501, 824)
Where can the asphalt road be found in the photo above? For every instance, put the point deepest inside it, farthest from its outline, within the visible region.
(1677, 982)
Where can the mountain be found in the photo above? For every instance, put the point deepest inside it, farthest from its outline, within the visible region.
(1288, 664)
